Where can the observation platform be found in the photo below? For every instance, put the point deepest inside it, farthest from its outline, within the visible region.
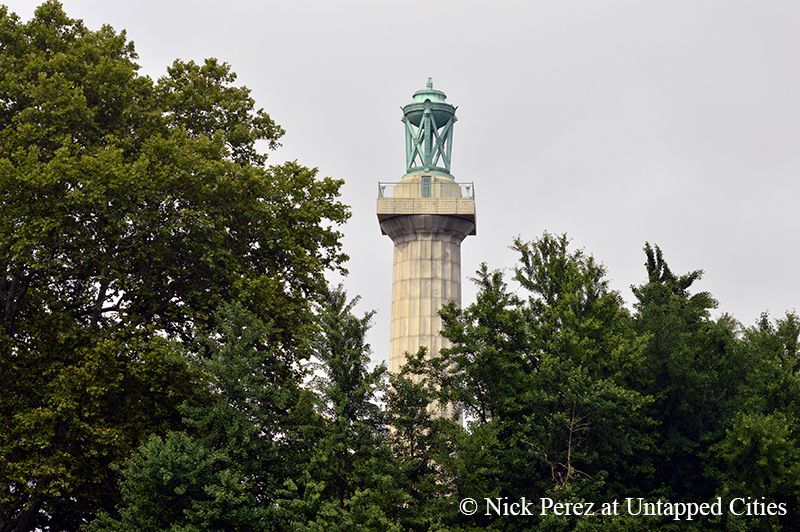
(425, 194)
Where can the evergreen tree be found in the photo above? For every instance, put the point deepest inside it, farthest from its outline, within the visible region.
(254, 434)
(348, 481)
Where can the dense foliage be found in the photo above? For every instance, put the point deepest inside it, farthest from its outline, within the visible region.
(132, 212)
(173, 359)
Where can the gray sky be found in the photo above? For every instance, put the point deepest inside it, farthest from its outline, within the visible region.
(617, 122)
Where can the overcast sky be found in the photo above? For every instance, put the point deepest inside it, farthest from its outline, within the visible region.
(617, 122)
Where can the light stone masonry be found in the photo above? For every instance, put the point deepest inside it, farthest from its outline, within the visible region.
(426, 275)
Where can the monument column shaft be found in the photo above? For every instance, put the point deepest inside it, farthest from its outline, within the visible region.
(426, 274)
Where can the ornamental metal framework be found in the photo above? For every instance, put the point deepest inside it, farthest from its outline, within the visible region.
(429, 131)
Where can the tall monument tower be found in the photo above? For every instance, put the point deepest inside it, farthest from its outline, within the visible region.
(426, 214)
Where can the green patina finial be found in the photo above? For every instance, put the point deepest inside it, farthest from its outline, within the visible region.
(429, 131)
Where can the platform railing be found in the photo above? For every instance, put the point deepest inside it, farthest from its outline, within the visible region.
(400, 189)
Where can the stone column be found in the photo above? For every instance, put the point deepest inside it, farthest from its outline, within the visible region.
(426, 274)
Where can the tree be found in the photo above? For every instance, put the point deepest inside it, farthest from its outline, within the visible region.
(692, 370)
(491, 357)
(591, 420)
(545, 379)
(759, 456)
(771, 359)
(348, 481)
(421, 443)
(178, 483)
(131, 210)
(225, 469)
(758, 453)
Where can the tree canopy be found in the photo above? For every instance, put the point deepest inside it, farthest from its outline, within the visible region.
(132, 211)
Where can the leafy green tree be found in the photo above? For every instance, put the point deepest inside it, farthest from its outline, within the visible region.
(692, 370)
(759, 456)
(348, 482)
(772, 363)
(591, 420)
(130, 211)
(177, 483)
(545, 381)
(490, 360)
(421, 442)
(91, 415)
(253, 435)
